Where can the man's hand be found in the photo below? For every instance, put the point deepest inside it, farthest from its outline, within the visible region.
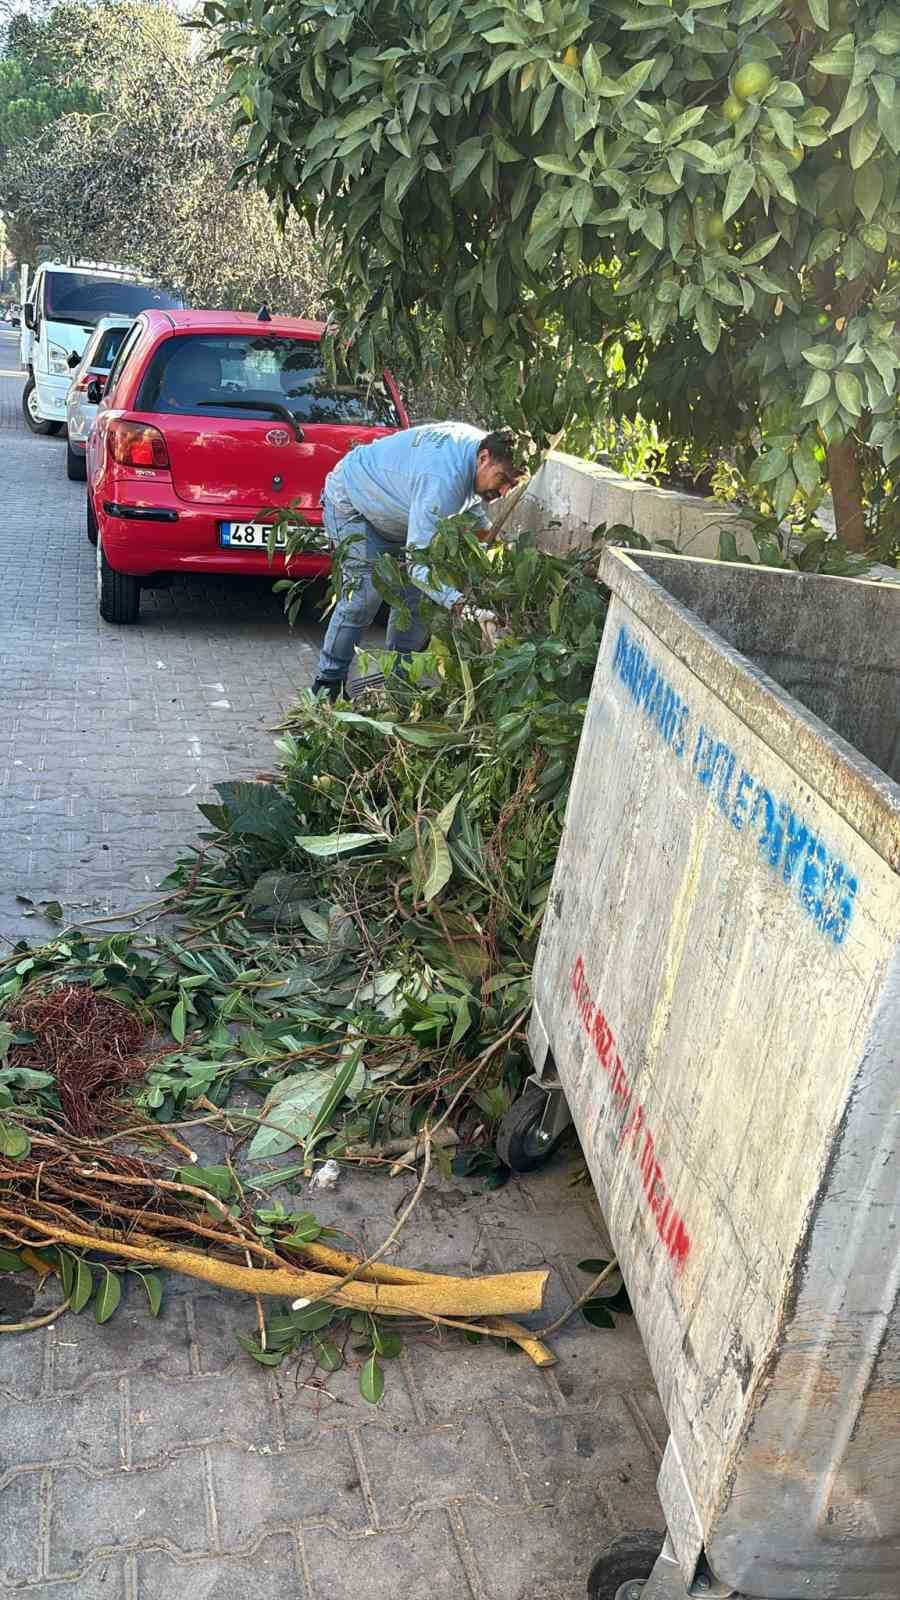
(491, 629)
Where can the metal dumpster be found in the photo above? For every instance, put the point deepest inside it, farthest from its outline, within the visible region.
(718, 990)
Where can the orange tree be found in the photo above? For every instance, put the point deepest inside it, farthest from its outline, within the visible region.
(715, 182)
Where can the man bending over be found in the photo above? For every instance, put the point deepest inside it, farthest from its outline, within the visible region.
(388, 496)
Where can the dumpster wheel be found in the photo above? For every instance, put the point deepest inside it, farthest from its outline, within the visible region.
(624, 1567)
(522, 1142)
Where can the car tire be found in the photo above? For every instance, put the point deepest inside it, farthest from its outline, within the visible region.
(90, 520)
(118, 593)
(29, 408)
(76, 465)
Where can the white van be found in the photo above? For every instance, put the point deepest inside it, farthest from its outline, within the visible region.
(60, 309)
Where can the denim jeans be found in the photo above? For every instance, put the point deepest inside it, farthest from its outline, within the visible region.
(360, 601)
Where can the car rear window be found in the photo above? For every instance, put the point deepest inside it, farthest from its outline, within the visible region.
(201, 375)
(81, 297)
(107, 347)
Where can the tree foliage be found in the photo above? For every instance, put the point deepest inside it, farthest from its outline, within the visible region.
(711, 184)
(139, 171)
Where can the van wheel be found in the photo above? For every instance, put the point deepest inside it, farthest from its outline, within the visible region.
(33, 418)
(118, 593)
(76, 465)
(90, 521)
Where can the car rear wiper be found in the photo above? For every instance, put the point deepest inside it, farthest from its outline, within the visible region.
(261, 405)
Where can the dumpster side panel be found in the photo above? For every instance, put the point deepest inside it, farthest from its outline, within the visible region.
(715, 939)
(820, 1466)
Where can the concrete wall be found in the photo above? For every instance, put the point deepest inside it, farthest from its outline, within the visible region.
(578, 495)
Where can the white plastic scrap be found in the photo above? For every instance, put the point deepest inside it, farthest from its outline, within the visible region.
(326, 1177)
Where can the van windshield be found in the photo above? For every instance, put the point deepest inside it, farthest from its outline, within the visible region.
(207, 375)
(81, 297)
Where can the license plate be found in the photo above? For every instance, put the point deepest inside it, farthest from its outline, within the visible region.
(249, 535)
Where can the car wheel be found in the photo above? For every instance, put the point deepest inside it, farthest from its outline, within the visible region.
(33, 418)
(91, 521)
(76, 466)
(118, 593)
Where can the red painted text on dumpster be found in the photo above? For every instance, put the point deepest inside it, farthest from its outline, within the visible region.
(635, 1135)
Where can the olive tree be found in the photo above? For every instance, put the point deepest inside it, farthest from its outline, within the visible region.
(716, 178)
(140, 171)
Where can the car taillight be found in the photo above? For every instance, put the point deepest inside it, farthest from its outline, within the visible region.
(88, 378)
(134, 444)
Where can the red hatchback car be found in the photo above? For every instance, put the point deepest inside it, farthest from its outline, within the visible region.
(208, 421)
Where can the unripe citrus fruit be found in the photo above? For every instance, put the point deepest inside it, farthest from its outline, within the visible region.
(823, 320)
(715, 227)
(489, 326)
(732, 108)
(752, 80)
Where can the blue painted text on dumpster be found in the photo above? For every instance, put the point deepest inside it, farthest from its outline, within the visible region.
(634, 1133)
(824, 886)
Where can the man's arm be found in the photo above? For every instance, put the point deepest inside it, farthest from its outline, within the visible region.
(434, 498)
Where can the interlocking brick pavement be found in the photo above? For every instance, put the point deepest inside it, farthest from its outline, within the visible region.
(148, 1459)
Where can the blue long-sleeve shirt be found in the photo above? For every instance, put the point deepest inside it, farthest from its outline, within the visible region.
(406, 482)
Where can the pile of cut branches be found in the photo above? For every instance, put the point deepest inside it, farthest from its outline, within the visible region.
(351, 974)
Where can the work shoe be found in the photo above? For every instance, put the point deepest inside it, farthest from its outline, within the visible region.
(335, 688)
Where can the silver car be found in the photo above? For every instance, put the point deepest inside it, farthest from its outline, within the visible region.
(99, 354)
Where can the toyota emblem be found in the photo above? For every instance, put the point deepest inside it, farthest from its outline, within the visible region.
(278, 436)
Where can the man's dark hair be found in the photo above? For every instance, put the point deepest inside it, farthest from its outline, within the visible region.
(501, 447)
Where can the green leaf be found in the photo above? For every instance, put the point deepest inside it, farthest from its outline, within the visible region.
(886, 41)
(818, 10)
(740, 181)
(327, 1355)
(343, 1079)
(849, 392)
(699, 150)
(468, 156)
(439, 863)
(595, 1312)
(559, 165)
(178, 1020)
(837, 63)
(632, 81)
(84, 1286)
(371, 1380)
(709, 324)
(387, 1344)
(592, 69)
(864, 141)
(874, 237)
(266, 1358)
(14, 1141)
(884, 362)
(823, 356)
(217, 1180)
(153, 1285)
(108, 1296)
(541, 108)
(66, 1271)
(11, 1262)
(569, 77)
(304, 1228)
(758, 252)
(819, 387)
(502, 64)
(310, 1319)
(337, 844)
(771, 465)
(806, 465)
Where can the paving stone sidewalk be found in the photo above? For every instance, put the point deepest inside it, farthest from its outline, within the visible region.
(151, 1458)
